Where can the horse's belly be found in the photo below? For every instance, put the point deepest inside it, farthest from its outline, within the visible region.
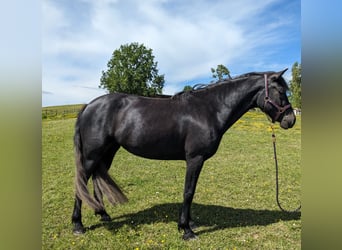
(155, 137)
(159, 150)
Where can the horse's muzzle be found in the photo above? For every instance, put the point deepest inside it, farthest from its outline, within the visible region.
(288, 120)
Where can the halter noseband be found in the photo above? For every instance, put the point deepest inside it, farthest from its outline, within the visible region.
(267, 99)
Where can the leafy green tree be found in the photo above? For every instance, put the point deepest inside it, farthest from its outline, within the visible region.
(295, 86)
(187, 88)
(132, 70)
(220, 72)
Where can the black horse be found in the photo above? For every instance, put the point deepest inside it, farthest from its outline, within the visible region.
(188, 126)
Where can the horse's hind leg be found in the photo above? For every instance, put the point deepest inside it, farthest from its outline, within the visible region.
(99, 197)
(87, 169)
(105, 164)
(77, 215)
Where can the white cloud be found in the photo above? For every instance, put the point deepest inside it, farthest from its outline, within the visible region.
(187, 38)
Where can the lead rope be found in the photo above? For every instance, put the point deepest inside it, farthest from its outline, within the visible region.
(277, 179)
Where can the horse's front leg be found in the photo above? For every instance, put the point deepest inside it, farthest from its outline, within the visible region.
(194, 166)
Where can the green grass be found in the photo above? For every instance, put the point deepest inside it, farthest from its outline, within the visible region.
(234, 204)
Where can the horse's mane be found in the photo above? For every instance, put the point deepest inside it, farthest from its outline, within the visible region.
(203, 87)
(200, 87)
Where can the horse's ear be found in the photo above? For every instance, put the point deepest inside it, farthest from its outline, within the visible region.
(275, 76)
(282, 72)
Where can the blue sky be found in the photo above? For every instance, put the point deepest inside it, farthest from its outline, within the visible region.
(187, 39)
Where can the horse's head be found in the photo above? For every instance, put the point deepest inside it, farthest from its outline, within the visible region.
(274, 102)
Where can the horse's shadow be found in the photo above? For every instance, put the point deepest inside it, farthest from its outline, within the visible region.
(208, 218)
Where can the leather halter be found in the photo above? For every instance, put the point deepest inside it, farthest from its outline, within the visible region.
(280, 109)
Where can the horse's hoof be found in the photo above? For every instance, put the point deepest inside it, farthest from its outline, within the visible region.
(78, 230)
(190, 236)
(193, 225)
(105, 218)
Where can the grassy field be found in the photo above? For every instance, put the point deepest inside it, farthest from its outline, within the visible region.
(234, 205)
(61, 112)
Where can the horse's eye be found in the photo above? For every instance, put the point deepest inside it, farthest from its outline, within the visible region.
(281, 90)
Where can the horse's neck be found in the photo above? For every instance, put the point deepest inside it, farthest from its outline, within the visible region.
(234, 100)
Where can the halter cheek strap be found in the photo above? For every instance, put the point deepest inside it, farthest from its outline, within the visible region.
(266, 86)
(267, 100)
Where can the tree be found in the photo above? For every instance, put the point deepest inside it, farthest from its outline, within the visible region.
(295, 86)
(187, 88)
(132, 70)
(220, 72)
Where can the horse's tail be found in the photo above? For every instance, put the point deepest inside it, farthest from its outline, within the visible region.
(81, 177)
(100, 177)
(108, 187)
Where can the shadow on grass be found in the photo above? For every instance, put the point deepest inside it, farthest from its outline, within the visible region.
(212, 217)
